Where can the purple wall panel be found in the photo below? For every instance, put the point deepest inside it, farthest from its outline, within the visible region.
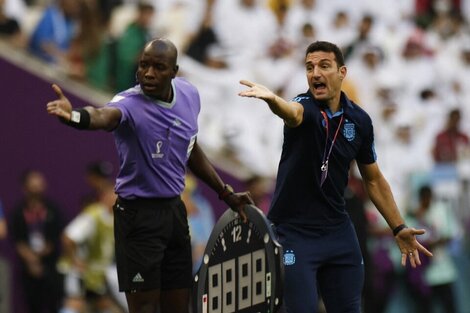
(30, 138)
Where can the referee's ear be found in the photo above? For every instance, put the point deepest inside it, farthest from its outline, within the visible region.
(175, 70)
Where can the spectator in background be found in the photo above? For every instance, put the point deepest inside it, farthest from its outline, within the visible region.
(451, 141)
(4, 268)
(256, 30)
(462, 72)
(280, 55)
(98, 175)
(16, 9)
(88, 244)
(10, 28)
(130, 45)
(203, 44)
(418, 60)
(366, 66)
(301, 13)
(438, 273)
(51, 38)
(397, 168)
(363, 36)
(106, 7)
(36, 227)
(340, 28)
(427, 11)
(91, 53)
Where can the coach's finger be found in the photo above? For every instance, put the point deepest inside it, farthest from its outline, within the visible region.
(58, 91)
(246, 83)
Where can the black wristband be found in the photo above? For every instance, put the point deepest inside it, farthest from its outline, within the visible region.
(398, 229)
(79, 119)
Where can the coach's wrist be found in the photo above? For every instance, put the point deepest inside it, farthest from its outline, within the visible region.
(398, 229)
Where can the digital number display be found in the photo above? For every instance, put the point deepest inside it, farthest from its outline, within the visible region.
(246, 274)
(242, 269)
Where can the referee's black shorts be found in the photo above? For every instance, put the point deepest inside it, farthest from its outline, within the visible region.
(153, 246)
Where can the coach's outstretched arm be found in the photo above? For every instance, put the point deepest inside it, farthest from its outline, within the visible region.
(105, 118)
(379, 192)
(290, 112)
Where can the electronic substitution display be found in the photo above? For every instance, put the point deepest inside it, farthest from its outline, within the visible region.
(242, 269)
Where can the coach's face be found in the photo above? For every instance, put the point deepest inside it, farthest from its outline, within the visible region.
(157, 68)
(323, 75)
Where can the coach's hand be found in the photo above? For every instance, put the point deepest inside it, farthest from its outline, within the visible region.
(61, 107)
(256, 91)
(237, 202)
(410, 247)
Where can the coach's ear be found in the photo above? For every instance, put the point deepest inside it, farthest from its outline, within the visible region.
(342, 72)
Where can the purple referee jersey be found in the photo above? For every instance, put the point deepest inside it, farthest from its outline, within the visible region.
(154, 140)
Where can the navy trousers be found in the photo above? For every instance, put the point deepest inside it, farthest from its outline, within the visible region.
(321, 263)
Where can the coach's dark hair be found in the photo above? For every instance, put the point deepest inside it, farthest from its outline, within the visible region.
(326, 46)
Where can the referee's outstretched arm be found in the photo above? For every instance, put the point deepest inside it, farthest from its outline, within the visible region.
(105, 118)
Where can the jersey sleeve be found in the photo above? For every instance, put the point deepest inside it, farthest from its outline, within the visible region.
(306, 101)
(366, 154)
(119, 102)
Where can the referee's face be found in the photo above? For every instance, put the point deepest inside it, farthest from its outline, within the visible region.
(323, 75)
(157, 68)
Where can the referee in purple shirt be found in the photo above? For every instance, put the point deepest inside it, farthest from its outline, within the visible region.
(155, 129)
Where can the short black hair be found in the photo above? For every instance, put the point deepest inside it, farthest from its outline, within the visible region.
(144, 5)
(326, 46)
(425, 191)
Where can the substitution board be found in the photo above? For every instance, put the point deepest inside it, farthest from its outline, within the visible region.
(242, 268)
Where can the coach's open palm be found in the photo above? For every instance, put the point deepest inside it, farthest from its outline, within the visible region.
(61, 107)
(410, 247)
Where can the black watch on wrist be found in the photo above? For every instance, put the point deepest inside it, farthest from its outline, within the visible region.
(398, 229)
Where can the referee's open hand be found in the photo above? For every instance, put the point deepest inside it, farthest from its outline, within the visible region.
(61, 107)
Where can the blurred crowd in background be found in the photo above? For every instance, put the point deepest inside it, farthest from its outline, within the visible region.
(408, 67)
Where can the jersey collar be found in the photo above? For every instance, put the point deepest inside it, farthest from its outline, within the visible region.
(164, 104)
(345, 103)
